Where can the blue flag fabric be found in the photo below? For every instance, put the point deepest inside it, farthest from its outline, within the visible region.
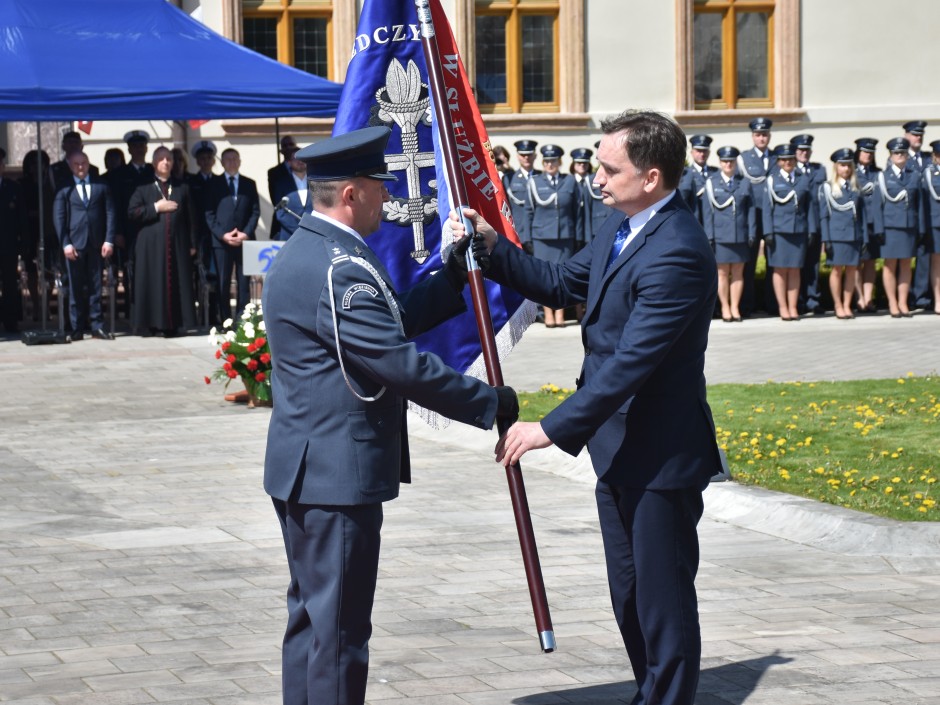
(387, 84)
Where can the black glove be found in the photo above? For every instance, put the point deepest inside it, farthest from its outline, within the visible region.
(529, 248)
(828, 248)
(879, 238)
(751, 241)
(480, 254)
(455, 263)
(507, 403)
(769, 239)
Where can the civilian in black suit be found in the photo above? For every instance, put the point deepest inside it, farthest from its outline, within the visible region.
(12, 242)
(62, 171)
(83, 213)
(232, 213)
(280, 181)
(200, 183)
(649, 281)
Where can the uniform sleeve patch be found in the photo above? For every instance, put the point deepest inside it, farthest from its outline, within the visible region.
(355, 289)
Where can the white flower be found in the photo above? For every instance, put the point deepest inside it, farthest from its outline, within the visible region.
(261, 326)
(249, 307)
(227, 323)
(230, 336)
(249, 330)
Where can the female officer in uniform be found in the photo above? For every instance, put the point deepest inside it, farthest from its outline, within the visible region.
(932, 224)
(791, 219)
(843, 229)
(556, 224)
(866, 173)
(730, 221)
(899, 191)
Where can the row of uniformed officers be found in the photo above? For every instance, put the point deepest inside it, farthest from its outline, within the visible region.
(776, 198)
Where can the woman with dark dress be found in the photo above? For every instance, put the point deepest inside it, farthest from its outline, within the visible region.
(790, 218)
(931, 182)
(730, 221)
(163, 251)
(900, 194)
(843, 224)
(866, 172)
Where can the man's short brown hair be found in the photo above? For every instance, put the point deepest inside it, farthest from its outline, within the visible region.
(652, 140)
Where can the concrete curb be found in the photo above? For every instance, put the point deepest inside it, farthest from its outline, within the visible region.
(804, 521)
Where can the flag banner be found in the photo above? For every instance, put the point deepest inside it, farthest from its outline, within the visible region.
(85, 126)
(196, 124)
(387, 84)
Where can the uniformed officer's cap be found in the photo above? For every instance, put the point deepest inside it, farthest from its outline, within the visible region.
(357, 153)
(915, 127)
(785, 151)
(581, 154)
(204, 146)
(525, 146)
(899, 144)
(551, 151)
(866, 144)
(137, 136)
(843, 155)
(935, 146)
(728, 154)
(700, 141)
(760, 124)
(802, 141)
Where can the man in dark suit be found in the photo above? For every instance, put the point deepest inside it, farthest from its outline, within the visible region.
(297, 203)
(337, 442)
(12, 243)
(61, 170)
(232, 212)
(281, 181)
(649, 282)
(810, 298)
(200, 184)
(83, 214)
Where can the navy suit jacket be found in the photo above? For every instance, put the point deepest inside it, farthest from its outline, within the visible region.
(326, 445)
(288, 222)
(280, 182)
(80, 225)
(640, 403)
(224, 213)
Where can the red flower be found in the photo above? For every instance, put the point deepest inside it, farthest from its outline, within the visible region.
(232, 374)
(218, 354)
(231, 358)
(226, 345)
(260, 342)
(252, 365)
(265, 358)
(208, 381)
(251, 348)
(260, 377)
(227, 367)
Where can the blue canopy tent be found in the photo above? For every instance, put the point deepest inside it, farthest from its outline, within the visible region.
(63, 60)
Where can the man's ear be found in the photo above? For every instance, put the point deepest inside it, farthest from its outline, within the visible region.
(653, 177)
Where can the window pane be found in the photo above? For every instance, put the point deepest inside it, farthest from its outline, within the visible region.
(310, 45)
(707, 54)
(261, 35)
(752, 54)
(491, 60)
(538, 59)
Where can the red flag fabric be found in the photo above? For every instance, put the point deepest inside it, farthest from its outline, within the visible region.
(481, 177)
(196, 124)
(85, 126)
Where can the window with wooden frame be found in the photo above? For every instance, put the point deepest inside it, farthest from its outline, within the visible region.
(733, 54)
(295, 32)
(516, 56)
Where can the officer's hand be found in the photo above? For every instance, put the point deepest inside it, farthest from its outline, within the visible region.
(507, 404)
(528, 247)
(751, 241)
(455, 263)
(828, 248)
(880, 238)
(480, 226)
(769, 239)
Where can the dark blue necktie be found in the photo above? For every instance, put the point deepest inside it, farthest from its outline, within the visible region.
(623, 232)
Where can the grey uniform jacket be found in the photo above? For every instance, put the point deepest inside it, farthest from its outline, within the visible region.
(325, 444)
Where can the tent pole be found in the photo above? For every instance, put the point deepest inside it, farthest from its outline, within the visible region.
(277, 138)
(40, 177)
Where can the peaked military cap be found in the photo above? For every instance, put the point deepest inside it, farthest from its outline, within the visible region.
(728, 154)
(137, 136)
(935, 146)
(204, 146)
(898, 144)
(802, 141)
(552, 151)
(760, 124)
(843, 155)
(700, 141)
(525, 146)
(915, 127)
(866, 144)
(582, 154)
(357, 153)
(785, 151)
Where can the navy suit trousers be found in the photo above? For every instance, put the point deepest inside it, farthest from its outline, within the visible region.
(333, 556)
(85, 290)
(228, 263)
(651, 547)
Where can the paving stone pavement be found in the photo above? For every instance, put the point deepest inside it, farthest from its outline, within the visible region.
(140, 561)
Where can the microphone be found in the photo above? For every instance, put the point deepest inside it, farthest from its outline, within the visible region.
(282, 206)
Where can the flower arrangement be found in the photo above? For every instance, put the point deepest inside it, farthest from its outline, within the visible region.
(242, 346)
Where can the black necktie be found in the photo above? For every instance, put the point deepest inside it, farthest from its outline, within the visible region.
(84, 191)
(623, 232)
(231, 186)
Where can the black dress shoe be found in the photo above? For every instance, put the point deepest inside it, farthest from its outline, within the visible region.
(73, 336)
(895, 315)
(102, 334)
(907, 314)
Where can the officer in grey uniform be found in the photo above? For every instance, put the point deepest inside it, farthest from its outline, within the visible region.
(694, 176)
(517, 190)
(810, 300)
(337, 447)
(866, 171)
(921, 295)
(593, 210)
(754, 164)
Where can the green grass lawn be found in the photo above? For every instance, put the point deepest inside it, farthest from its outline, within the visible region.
(870, 445)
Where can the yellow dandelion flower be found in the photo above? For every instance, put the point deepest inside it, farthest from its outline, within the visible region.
(922, 509)
(910, 374)
(894, 455)
(773, 454)
(781, 441)
(900, 381)
(889, 489)
(820, 471)
(895, 480)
